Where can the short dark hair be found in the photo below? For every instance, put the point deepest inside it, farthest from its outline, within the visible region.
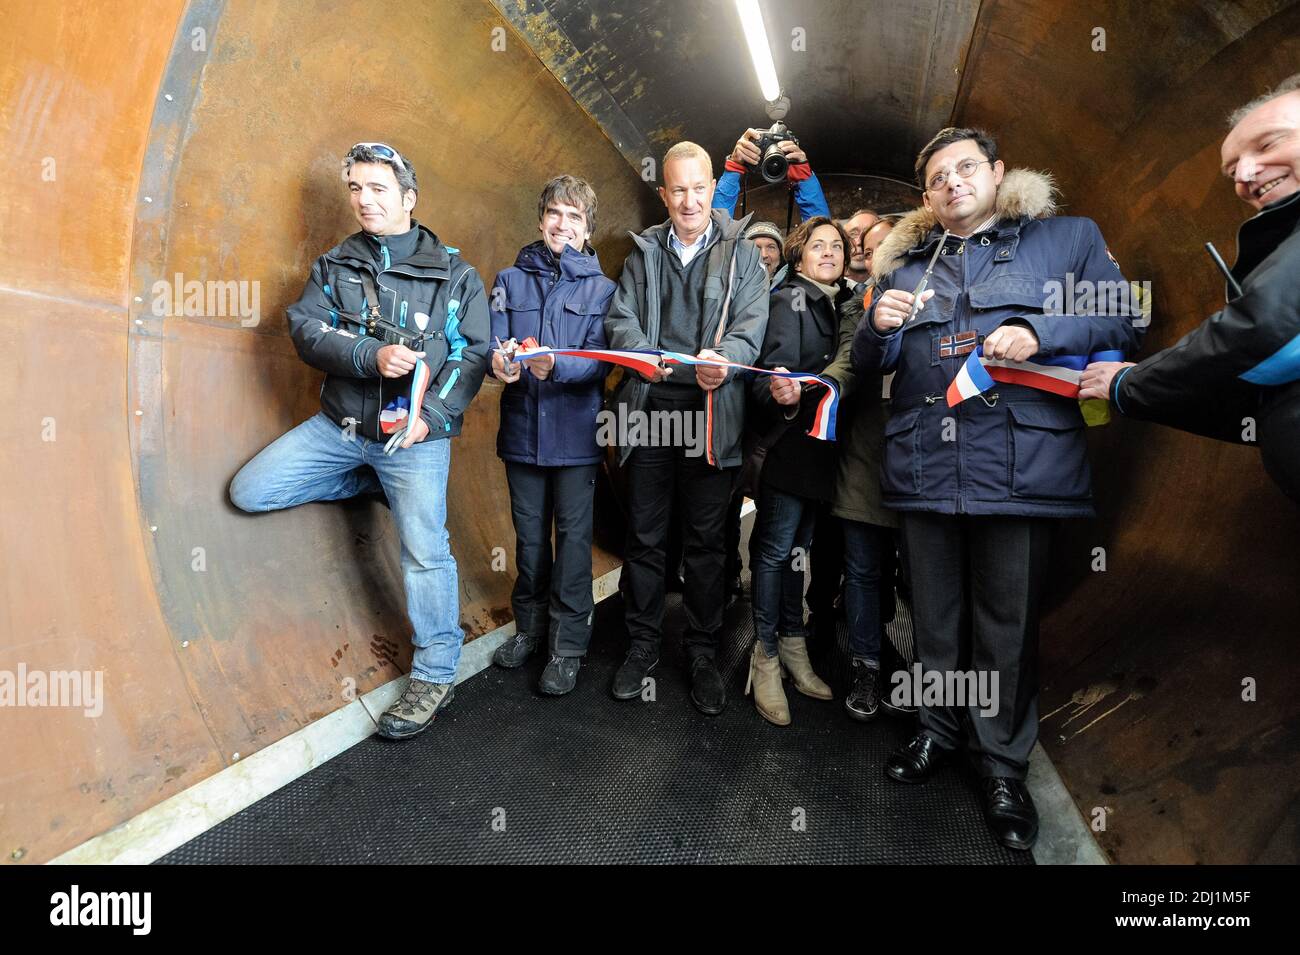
(948, 136)
(571, 191)
(402, 168)
(796, 240)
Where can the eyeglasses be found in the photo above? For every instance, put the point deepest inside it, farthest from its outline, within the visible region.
(383, 149)
(965, 169)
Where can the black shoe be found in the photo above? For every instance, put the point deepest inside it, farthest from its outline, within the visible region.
(1010, 812)
(864, 697)
(707, 692)
(915, 762)
(631, 675)
(891, 661)
(560, 675)
(515, 651)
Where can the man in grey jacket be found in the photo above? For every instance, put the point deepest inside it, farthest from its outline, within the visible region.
(691, 286)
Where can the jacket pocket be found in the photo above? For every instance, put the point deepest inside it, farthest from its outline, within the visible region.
(1048, 453)
(901, 469)
(576, 323)
(1024, 293)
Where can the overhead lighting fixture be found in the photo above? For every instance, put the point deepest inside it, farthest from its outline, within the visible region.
(751, 21)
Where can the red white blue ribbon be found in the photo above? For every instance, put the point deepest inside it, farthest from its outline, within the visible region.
(396, 418)
(1058, 375)
(648, 361)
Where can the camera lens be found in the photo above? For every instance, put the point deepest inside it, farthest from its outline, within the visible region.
(774, 164)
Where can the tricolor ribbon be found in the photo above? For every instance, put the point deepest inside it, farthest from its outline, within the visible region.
(396, 418)
(648, 361)
(1058, 375)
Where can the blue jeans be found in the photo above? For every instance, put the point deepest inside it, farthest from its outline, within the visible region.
(864, 556)
(783, 522)
(317, 461)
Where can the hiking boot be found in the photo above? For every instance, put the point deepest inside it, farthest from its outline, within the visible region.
(415, 709)
(560, 675)
(515, 651)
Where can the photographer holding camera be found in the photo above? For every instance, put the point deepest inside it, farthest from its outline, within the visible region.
(776, 159)
(392, 285)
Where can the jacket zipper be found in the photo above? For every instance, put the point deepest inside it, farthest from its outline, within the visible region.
(961, 472)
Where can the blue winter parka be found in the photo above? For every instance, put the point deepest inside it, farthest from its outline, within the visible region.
(1015, 450)
(561, 302)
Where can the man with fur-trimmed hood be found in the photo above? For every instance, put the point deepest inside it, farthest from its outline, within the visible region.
(977, 485)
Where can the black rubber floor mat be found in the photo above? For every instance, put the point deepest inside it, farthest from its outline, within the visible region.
(507, 775)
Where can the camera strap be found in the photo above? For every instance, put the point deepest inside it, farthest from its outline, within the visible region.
(372, 298)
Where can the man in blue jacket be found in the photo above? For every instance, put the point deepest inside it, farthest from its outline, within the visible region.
(387, 410)
(556, 294)
(977, 484)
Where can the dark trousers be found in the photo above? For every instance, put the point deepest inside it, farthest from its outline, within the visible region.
(552, 593)
(783, 532)
(827, 565)
(868, 557)
(1279, 440)
(734, 563)
(703, 492)
(976, 585)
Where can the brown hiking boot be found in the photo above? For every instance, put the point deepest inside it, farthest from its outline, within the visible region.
(415, 709)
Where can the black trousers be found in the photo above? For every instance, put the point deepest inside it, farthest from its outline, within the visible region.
(827, 567)
(552, 593)
(1279, 439)
(976, 587)
(703, 493)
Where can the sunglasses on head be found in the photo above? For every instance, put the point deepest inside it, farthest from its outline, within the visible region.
(383, 149)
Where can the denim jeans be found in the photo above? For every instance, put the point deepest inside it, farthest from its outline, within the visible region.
(783, 522)
(864, 559)
(318, 461)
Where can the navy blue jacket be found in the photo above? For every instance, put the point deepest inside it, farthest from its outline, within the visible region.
(1023, 452)
(562, 304)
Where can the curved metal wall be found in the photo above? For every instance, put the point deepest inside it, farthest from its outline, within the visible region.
(217, 160)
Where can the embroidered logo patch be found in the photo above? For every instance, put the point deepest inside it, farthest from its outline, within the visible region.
(961, 343)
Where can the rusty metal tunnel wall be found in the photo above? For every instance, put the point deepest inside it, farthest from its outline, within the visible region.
(209, 151)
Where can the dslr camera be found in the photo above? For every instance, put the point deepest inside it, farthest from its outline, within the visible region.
(773, 164)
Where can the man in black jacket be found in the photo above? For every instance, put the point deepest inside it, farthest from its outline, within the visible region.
(1236, 376)
(387, 409)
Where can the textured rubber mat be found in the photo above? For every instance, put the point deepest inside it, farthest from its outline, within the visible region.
(507, 775)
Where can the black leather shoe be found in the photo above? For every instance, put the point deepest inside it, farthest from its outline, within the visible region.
(1010, 812)
(515, 651)
(630, 676)
(560, 675)
(707, 692)
(917, 761)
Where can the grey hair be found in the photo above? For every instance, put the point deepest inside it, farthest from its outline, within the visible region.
(404, 172)
(1289, 85)
(571, 191)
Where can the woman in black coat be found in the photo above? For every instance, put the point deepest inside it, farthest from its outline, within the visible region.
(799, 470)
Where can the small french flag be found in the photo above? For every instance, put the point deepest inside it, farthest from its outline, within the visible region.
(971, 379)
